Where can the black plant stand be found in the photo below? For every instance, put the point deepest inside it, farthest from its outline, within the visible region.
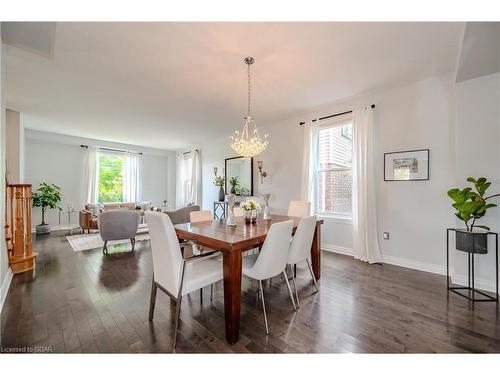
(470, 286)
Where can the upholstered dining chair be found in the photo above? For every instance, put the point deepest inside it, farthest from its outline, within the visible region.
(118, 225)
(300, 249)
(271, 261)
(238, 212)
(197, 216)
(171, 273)
(299, 208)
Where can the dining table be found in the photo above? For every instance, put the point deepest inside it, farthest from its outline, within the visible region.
(232, 242)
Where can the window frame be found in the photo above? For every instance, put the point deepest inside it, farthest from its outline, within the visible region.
(333, 123)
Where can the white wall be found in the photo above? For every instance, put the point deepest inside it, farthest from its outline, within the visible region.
(14, 152)
(478, 155)
(59, 159)
(419, 115)
(5, 274)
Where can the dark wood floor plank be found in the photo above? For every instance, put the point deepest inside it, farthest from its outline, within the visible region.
(86, 302)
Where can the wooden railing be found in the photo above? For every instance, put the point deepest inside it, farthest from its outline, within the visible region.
(18, 228)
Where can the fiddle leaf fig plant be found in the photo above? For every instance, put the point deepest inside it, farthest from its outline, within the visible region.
(47, 196)
(471, 203)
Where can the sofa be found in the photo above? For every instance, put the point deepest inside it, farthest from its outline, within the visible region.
(88, 217)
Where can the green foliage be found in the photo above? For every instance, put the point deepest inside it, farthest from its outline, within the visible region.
(472, 204)
(233, 181)
(111, 170)
(219, 181)
(47, 196)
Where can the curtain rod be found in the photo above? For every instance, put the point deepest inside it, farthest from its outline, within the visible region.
(330, 116)
(114, 149)
(188, 152)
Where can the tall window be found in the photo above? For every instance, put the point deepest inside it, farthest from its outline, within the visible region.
(111, 177)
(334, 169)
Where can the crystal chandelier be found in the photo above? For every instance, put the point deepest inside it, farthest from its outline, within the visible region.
(248, 143)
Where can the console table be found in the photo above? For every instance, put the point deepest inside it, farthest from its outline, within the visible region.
(222, 207)
(470, 281)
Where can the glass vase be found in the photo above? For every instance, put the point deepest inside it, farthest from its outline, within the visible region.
(250, 216)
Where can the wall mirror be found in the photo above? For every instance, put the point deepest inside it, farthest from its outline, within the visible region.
(239, 175)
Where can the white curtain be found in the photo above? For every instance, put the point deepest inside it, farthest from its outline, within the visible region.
(364, 214)
(131, 181)
(194, 193)
(309, 165)
(179, 181)
(188, 179)
(91, 176)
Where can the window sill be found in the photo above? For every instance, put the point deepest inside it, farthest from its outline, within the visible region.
(336, 219)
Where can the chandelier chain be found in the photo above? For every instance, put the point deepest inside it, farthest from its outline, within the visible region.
(249, 89)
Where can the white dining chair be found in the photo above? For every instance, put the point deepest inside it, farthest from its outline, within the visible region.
(272, 260)
(299, 208)
(300, 249)
(197, 216)
(171, 273)
(238, 211)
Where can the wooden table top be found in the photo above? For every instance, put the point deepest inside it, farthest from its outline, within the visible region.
(216, 235)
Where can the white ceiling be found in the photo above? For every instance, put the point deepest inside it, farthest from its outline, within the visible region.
(170, 85)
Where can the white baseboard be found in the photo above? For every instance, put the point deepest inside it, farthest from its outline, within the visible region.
(336, 249)
(414, 264)
(482, 284)
(5, 287)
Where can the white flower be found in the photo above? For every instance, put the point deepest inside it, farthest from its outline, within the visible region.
(249, 205)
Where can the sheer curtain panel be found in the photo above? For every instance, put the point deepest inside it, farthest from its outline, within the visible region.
(364, 214)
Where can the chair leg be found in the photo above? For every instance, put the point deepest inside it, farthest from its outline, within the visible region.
(211, 292)
(178, 305)
(105, 247)
(201, 295)
(177, 316)
(289, 291)
(132, 242)
(152, 301)
(312, 275)
(294, 286)
(263, 305)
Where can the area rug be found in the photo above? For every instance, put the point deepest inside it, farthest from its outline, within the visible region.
(80, 242)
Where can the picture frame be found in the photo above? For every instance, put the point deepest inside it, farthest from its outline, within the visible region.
(411, 165)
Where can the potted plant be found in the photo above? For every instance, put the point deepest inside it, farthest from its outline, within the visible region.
(46, 196)
(220, 181)
(471, 204)
(250, 210)
(233, 181)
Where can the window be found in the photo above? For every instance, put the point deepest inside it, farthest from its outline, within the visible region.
(111, 177)
(334, 169)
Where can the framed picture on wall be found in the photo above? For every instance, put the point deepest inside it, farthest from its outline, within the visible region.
(410, 165)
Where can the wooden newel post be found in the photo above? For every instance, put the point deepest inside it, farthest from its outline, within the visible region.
(21, 257)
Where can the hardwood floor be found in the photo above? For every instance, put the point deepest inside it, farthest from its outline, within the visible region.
(86, 302)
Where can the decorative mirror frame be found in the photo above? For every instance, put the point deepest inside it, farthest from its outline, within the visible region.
(251, 173)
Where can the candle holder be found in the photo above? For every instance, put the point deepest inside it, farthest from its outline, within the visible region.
(231, 220)
(267, 212)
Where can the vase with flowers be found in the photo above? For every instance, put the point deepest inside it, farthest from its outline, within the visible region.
(250, 211)
(219, 181)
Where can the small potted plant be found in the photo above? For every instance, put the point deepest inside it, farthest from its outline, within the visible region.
(46, 196)
(250, 211)
(220, 181)
(233, 181)
(471, 204)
